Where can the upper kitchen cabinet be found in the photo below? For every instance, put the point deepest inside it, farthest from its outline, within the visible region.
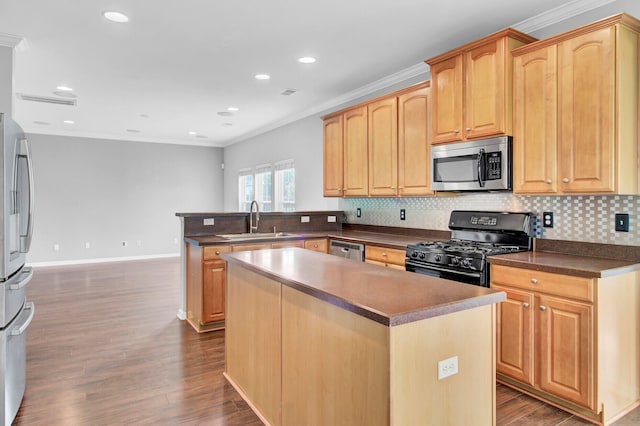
(576, 111)
(413, 141)
(379, 148)
(333, 156)
(472, 88)
(383, 146)
(345, 153)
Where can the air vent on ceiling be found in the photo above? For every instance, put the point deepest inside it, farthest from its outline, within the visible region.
(46, 100)
(288, 92)
(225, 114)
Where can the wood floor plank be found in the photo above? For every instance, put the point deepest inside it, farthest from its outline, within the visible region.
(105, 347)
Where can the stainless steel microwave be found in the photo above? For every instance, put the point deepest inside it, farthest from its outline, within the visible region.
(480, 165)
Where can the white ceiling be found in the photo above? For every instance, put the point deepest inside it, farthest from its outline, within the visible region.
(181, 63)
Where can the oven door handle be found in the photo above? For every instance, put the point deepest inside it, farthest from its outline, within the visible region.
(435, 268)
(480, 163)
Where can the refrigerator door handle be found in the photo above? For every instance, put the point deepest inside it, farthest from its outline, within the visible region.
(25, 240)
(18, 330)
(26, 272)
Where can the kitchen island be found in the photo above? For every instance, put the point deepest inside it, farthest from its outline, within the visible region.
(318, 339)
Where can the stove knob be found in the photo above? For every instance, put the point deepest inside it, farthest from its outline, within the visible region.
(455, 261)
(414, 254)
(438, 258)
(422, 255)
(466, 263)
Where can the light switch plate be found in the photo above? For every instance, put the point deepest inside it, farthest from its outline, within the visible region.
(622, 222)
(447, 367)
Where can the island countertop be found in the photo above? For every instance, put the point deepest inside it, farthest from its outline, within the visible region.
(387, 296)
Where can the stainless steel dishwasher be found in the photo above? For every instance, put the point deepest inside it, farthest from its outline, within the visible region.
(348, 250)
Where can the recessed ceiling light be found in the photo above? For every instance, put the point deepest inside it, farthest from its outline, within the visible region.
(262, 76)
(193, 133)
(307, 60)
(69, 122)
(233, 109)
(65, 88)
(114, 16)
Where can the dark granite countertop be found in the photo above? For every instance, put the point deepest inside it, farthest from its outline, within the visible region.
(389, 240)
(384, 295)
(589, 260)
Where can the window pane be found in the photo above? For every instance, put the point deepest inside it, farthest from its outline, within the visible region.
(245, 192)
(286, 189)
(264, 190)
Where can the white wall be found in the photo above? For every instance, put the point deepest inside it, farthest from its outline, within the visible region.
(301, 141)
(106, 191)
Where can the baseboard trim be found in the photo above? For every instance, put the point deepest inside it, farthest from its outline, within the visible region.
(102, 260)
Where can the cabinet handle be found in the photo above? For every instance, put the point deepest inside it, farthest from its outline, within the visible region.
(534, 281)
(384, 254)
(392, 187)
(468, 129)
(456, 131)
(543, 308)
(565, 180)
(315, 246)
(525, 305)
(549, 181)
(217, 252)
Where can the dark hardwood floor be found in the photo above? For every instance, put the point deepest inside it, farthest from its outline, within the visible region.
(105, 347)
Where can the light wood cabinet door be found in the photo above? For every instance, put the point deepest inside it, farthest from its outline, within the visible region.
(447, 97)
(214, 275)
(485, 97)
(413, 143)
(587, 74)
(383, 146)
(384, 256)
(535, 138)
(356, 170)
(318, 244)
(566, 349)
(333, 156)
(515, 334)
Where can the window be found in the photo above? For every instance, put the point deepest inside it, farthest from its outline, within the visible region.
(245, 189)
(273, 187)
(285, 186)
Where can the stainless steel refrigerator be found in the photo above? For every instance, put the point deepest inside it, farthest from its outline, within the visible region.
(16, 220)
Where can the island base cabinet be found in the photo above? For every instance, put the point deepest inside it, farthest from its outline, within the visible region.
(253, 342)
(417, 396)
(299, 360)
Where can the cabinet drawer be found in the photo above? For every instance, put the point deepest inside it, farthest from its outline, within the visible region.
(545, 282)
(385, 255)
(213, 252)
(320, 245)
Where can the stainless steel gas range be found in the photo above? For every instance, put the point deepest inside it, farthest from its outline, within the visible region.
(475, 235)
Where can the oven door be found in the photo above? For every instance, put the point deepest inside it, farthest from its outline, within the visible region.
(483, 165)
(469, 277)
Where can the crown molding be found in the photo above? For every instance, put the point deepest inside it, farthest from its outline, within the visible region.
(9, 40)
(558, 14)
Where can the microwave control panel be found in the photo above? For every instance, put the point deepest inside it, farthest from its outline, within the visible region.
(493, 165)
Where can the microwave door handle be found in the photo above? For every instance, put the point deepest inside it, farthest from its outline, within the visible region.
(25, 240)
(480, 162)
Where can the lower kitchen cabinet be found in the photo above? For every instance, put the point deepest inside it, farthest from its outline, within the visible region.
(383, 256)
(571, 341)
(318, 244)
(206, 281)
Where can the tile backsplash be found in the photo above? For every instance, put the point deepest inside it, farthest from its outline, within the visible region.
(588, 218)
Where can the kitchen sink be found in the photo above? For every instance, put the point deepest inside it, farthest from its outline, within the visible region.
(256, 235)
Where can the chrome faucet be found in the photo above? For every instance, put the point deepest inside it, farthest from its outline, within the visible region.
(251, 227)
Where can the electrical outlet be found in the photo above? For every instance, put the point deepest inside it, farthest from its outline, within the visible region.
(87, 245)
(56, 247)
(358, 212)
(403, 215)
(622, 222)
(331, 219)
(547, 220)
(209, 222)
(124, 244)
(447, 367)
(304, 219)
